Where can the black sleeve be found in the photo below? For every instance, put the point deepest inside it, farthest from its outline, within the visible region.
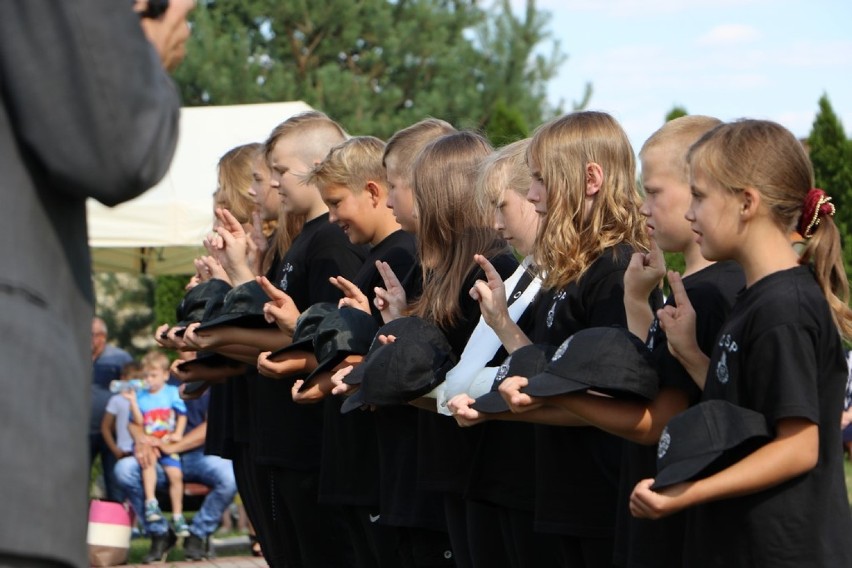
(331, 255)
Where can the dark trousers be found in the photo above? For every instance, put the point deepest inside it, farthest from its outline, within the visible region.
(98, 447)
(303, 533)
(585, 552)
(513, 543)
(246, 479)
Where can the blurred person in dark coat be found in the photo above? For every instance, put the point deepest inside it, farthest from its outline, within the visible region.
(87, 109)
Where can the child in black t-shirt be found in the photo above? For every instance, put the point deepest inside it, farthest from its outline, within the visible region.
(414, 516)
(351, 181)
(583, 174)
(779, 353)
(451, 228)
(285, 466)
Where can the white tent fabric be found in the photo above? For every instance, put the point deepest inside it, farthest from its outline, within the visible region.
(161, 231)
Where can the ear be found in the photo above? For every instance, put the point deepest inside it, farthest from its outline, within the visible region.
(594, 178)
(377, 194)
(750, 202)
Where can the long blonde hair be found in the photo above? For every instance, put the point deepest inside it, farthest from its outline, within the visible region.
(569, 239)
(452, 225)
(767, 157)
(234, 180)
(503, 170)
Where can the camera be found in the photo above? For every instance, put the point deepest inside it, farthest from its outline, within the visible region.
(155, 9)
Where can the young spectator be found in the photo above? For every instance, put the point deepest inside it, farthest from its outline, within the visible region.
(114, 427)
(779, 353)
(212, 471)
(162, 415)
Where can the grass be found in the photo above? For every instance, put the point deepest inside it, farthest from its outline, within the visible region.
(847, 466)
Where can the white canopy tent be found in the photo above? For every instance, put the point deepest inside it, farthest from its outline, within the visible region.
(161, 231)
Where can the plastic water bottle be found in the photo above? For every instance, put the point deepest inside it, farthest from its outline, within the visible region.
(118, 386)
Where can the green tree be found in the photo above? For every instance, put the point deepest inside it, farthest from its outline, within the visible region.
(676, 112)
(124, 302)
(376, 65)
(831, 156)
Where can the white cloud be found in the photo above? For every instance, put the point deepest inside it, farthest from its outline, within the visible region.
(729, 34)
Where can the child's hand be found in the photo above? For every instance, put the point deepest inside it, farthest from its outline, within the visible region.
(391, 300)
(459, 405)
(491, 295)
(648, 504)
(294, 363)
(679, 324)
(129, 394)
(341, 388)
(353, 297)
(202, 341)
(510, 390)
(644, 273)
(281, 309)
(175, 437)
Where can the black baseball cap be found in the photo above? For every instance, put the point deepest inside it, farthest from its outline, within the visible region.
(397, 328)
(526, 361)
(401, 371)
(208, 359)
(242, 307)
(609, 360)
(707, 438)
(194, 304)
(343, 332)
(306, 327)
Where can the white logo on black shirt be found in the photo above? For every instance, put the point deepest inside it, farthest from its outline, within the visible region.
(285, 272)
(728, 345)
(652, 334)
(664, 443)
(552, 311)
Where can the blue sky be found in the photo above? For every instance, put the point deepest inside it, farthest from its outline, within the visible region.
(769, 59)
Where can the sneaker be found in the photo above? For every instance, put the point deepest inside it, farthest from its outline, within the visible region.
(152, 511)
(181, 528)
(193, 548)
(161, 544)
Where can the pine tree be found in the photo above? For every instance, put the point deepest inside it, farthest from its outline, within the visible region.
(831, 155)
(375, 65)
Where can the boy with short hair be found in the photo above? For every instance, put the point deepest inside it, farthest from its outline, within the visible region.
(162, 415)
(351, 180)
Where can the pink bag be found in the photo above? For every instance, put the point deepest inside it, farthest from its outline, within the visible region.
(109, 533)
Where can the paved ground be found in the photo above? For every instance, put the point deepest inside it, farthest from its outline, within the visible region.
(225, 562)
